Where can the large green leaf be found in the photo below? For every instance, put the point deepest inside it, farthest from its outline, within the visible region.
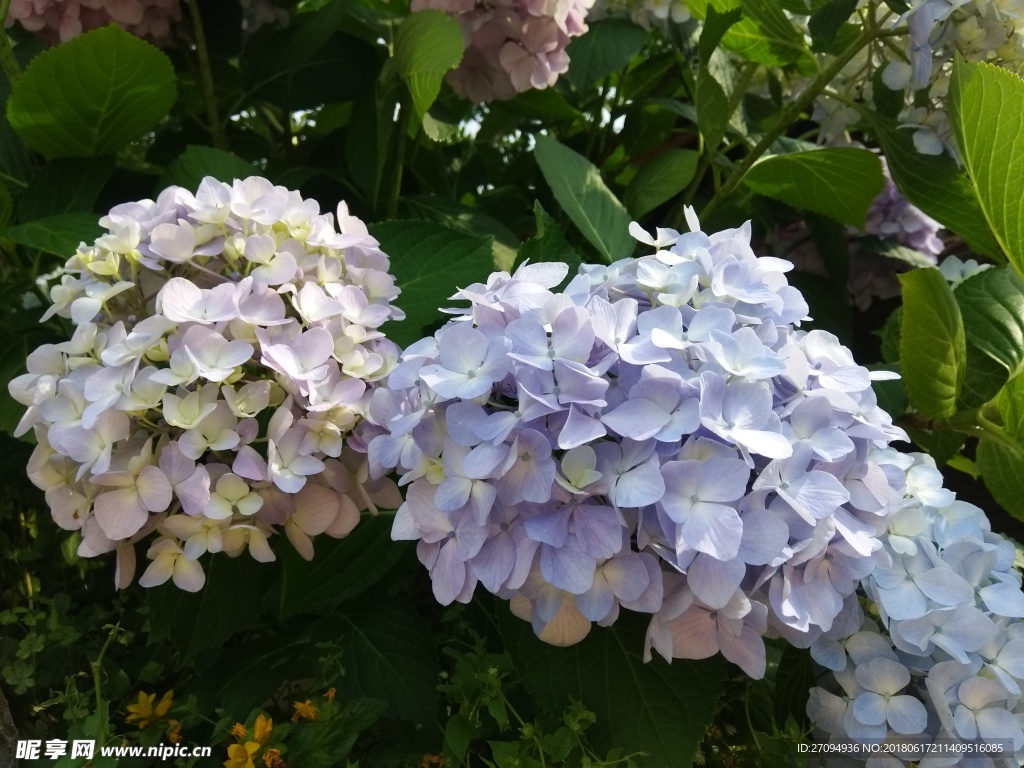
(983, 378)
(656, 708)
(388, 655)
(936, 185)
(1011, 408)
(430, 262)
(809, 180)
(198, 622)
(606, 48)
(992, 306)
(986, 108)
(191, 166)
(92, 95)
(472, 221)
(428, 45)
(826, 22)
(660, 179)
(342, 569)
(64, 185)
(764, 34)
(586, 200)
(59, 235)
(712, 109)
(549, 244)
(933, 348)
(1002, 468)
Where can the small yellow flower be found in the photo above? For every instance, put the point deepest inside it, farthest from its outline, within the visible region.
(166, 702)
(173, 731)
(305, 710)
(272, 759)
(142, 709)
(239, 731)
(261, 730)
(240, 755)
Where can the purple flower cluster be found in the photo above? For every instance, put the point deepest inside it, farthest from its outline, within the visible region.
(655, 436)
(941, 657)
(57, 21)
(224, 346)
(893, 217)
(512, 46)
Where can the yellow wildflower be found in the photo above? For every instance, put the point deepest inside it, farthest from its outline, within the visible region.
(143, 710)
(261, 730)
(240, 755)
(173, 731)
(305, 710)
(272, 759)
(239, 731)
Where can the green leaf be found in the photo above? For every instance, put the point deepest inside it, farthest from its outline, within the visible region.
(549, 244)
(712, 109)
(92, 95)
(196, 162)
(198, 622)
(983, 379)
(429, 262)
(826, 22)
(458, 734)
(342, 569)
(992, 306)
(64, 185)
(428, 45)
(655, 708)
(388, 655)
(809, 180)
(764, 34)
(472, 221)
(1002, 469)
(59, 235)
(1011, 408)
(586, 200)
(659, 180)
(933, 348)
(987, 109)
(607, 47)
(936, 185)
(716, 24)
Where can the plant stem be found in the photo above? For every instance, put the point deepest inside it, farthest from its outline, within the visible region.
(402, 128)
(8, 62)
(97, 670)
(206, 78)
(788, 117)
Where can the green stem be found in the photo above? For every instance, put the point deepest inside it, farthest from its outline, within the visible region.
(8, 62)
(788, 117)
(97, 672)
(206, 78)
(402, 128)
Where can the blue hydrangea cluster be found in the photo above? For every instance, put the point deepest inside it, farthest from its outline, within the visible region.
(656, 436)
(941, 654)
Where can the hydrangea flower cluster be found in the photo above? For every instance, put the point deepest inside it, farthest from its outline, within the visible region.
(656, 436)
(211, 394)
(977, 30)
(57, 21)
(646, 13)
(941, 653)
(512, 46)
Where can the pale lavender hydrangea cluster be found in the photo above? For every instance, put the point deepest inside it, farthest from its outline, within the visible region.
(224, 347)
(512, 46)
(893, 217)
(941, 655)
(57, 21)
(656, 436)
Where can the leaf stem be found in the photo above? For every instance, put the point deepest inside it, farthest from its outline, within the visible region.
(97, 671)
(8, 62)
(395, 189)
(206, 77)
(788, 117)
